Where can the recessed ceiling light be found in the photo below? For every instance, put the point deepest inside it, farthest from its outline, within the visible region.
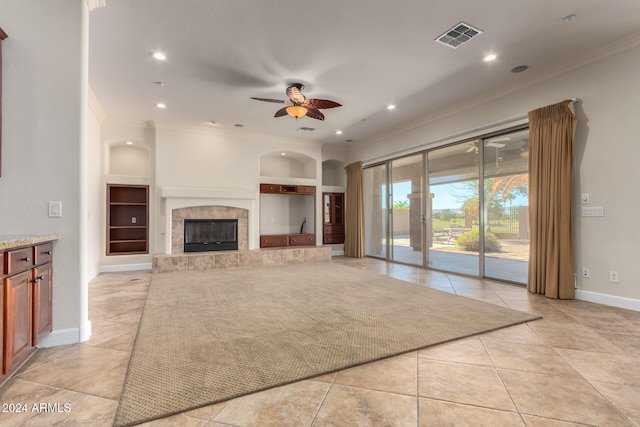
(519, 68)
(338, 132)
(391, 107)
(159, 83)
(348, 140)
(569, 18)
(490, 57)
(161, 105)
(128, 142)
(159, 56)
(213, 123)
(239, 125)
(283, 154)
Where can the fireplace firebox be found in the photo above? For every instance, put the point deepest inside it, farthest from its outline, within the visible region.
(202, 235)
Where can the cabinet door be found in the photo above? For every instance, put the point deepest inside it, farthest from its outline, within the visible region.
(42, 287)
(17, 319)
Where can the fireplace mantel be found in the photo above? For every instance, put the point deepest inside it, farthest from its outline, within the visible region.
(185, 197)
(208, 193)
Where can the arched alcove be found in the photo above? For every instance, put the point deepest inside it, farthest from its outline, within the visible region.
(287, 165)
(333, 173)
(129, 158)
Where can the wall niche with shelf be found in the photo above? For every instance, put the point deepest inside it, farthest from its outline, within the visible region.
(287, 215)
(288, 164)
(127, 219)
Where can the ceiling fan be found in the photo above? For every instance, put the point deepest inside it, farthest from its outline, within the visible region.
(299, 106)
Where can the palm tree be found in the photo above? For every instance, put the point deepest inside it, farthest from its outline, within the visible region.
(505, 185)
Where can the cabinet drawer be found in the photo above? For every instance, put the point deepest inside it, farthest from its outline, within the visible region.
(270, 188)
(18, 260)
(306, 189)
(302, 239)
(273, 241)
(333, 229)
(43, 253)
(330, 239)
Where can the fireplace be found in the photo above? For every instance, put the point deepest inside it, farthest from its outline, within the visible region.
(202, 235)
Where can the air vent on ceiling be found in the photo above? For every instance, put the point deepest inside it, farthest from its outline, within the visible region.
(458, 35)
(306, 129)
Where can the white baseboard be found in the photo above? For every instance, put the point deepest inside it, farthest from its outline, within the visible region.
(124, 267)
(615, 301)
(67, 336)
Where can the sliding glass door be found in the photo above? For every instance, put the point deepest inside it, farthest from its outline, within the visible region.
(468, 216)
(454, 208)
(407, 224)
(375, 196)
(506, 207)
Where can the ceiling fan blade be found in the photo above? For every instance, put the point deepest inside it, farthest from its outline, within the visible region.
(320, 103)
(278, 101)
(495, 144)
(281, 112)
(314, 114)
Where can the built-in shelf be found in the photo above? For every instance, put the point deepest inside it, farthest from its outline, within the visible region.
(287, 215)
(127, 219)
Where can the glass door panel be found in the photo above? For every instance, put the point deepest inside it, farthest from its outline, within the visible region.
(407, 222)
(506, 206)
(453, 215)
(374, 180)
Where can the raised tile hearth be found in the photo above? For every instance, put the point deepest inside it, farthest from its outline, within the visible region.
(233, 259)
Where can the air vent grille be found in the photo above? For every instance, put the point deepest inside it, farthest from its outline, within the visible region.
(458, 35)
(306, 129)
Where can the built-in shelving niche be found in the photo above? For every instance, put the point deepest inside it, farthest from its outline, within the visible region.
(287, 165)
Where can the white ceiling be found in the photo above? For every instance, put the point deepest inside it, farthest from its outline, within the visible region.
(364, 54)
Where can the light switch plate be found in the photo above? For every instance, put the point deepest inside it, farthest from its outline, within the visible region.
(55, 209)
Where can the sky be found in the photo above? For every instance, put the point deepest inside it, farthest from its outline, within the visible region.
(445, 195)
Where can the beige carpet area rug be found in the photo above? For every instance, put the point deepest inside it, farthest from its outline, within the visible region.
(206, 337)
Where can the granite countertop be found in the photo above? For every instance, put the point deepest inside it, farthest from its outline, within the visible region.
(19, 240)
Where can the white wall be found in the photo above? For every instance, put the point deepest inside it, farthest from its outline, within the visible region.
(605, 160)
(215, 159)
(43, 135)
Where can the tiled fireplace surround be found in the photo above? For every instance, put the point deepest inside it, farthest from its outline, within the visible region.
(177, 260)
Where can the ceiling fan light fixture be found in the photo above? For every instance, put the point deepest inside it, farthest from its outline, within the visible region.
(296, 111)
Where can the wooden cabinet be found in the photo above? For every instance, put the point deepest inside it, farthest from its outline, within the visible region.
(27, 289)
(274, 241)
(302, 197)
(287, 189)
(333, 218)
(302, 239)
(42, 292)
(127, 219)
(17, 319)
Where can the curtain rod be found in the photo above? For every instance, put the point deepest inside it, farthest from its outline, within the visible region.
(455, 135)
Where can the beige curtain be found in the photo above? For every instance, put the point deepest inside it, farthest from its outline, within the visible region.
(354, 215)
(552, 131)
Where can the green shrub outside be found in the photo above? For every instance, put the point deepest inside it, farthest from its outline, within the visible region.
(470, 241)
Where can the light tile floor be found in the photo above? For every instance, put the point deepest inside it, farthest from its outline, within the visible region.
(579, 365)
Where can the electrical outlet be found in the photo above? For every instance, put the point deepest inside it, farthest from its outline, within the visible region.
(614, 277)
(586, 274)
(134, 220)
